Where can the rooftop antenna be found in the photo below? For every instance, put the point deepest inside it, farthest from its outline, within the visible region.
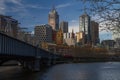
(53, 7)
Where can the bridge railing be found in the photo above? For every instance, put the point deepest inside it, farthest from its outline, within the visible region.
(15, 47)
(12, 46)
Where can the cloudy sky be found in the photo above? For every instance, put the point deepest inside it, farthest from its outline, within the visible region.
(30, 13)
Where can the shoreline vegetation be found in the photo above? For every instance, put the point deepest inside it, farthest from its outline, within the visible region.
(93, 54)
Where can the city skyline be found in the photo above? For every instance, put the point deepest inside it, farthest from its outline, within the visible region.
(31, 13)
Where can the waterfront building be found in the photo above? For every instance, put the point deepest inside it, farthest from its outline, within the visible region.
(54, 33)
(69, 38)
(59, 37)
(64, 26)
(79, 37)
(8, 25)
(53, 19)
(43, 33)
(108, 44)
(84, 26)
(94, 33)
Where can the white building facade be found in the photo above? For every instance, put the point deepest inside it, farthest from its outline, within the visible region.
(69, 39)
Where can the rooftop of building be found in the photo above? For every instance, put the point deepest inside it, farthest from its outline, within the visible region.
(43, 25)
(84, 15)
(53, 10)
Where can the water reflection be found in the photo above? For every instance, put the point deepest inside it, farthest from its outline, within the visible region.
(87, 71)
(81, 71)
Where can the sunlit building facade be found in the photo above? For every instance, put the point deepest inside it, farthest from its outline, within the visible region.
(53, 19)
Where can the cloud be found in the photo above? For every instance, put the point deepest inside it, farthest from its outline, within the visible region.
(17, 2)
(2, 7)
(17, 6)
(36, 6)
(5, 8)
(63, 5)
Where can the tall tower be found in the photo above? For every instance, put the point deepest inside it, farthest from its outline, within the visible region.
(84, 24)
(53, 19)
(94, 32)
(64, 26)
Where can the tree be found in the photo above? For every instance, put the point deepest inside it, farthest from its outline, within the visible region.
(106, 12)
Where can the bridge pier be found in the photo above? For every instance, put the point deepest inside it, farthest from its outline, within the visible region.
(36, 64)
(49, 63)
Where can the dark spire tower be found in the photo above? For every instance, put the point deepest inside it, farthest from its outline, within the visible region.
(53, 19)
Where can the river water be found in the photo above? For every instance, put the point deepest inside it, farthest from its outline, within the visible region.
(73, 71)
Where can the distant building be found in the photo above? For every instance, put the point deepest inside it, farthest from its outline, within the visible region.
(64, 26)
(69, 39)
(54, 33)
(59, 37)
(43, 33)
(94, 32)
(108, 43)
(58, 49)
(8, 25)
(21, 35)
(53, 19)
(79, 37)
(117, 44)
(84, 23)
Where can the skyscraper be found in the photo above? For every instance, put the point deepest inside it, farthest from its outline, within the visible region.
(94, 32)
(64, 26)
(53, 19)
(84, 24)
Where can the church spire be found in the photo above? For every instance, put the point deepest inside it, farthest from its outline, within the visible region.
(53, 8)
(72, 30)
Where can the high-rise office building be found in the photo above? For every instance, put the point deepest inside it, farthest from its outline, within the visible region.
(94, 32)
(64, 26)
(8, 25)
(84, 25)
(53, 19)
(43, 33)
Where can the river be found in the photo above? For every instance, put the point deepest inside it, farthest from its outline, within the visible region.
(72, 71)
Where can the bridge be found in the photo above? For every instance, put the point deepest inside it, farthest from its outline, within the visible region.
(29, 56)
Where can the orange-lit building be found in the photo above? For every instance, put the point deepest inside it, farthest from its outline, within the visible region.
(54, 36)
(59, 37)
(79, 37)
